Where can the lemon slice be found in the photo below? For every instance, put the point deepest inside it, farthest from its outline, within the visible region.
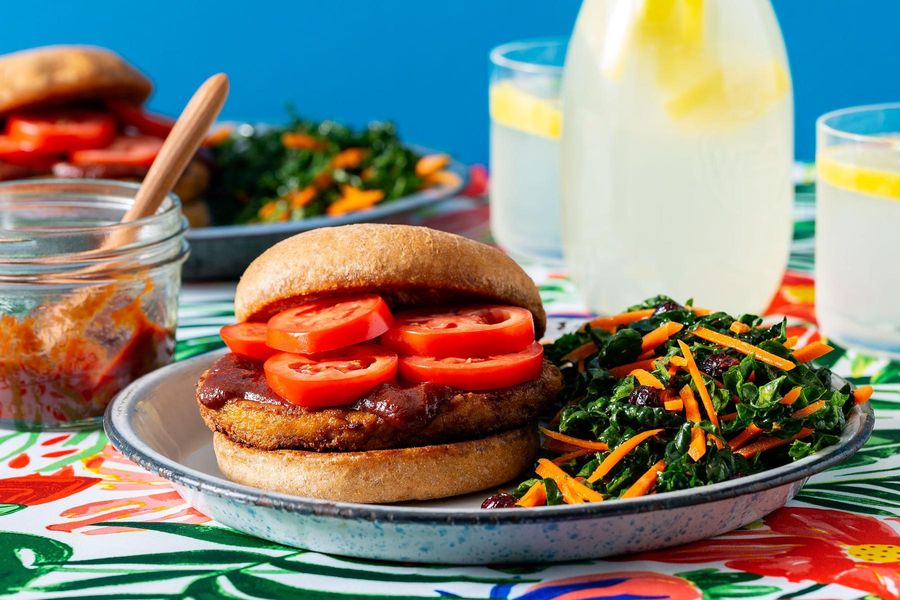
(875, 179)
(515, 108)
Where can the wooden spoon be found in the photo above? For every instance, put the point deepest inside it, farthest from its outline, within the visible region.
(180, 147)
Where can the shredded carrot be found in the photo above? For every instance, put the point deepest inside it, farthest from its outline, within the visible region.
(535, 496)
(678, 361)
(768, 443)
(300, 141)
(649, 354)
(621, 319)
(674, 405)
(444, 178)
(620, 452)
(862, 394)
(581, 352)
(658, 336)
(737, 328)
(431, 163)
(745, 436)
(808, 409)
(698, 381)
(691, 409)
(698, 443)
(647, 378)
(353, 199)
(547, 469)
(300, 198)
(564, 458)
(791, 341)
(623, 370)
(569, 493)
(554, 446)
(743, 348)
(574, 441)
(646, 481)
(349, 158)
(812, 351)
(728, 417)
(791, 396)
(720, 443)
(700, 312)
(217, 136)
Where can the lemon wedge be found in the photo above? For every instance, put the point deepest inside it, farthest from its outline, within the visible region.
(515, 108)
(842, 170)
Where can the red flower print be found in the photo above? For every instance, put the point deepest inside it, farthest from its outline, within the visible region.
(806, 544)
(30, 490)
(795, 298)
(634, 585)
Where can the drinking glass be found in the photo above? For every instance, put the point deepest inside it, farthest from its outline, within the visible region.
(857, 220)
(525, 128)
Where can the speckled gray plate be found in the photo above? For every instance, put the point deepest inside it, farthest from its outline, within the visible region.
(155, 423)
(223, 252)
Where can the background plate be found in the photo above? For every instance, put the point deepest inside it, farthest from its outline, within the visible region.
(155, 422)
(224, 251)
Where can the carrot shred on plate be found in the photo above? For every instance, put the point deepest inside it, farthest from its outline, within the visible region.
(621, 319)
(581, 352)
(564, 458)
(678, 361)
(862, 394)
(622, 370)
(700, 312)
(737, 328)
(791, 341)
(812, 351)
(548, 470)
(647, 378)
(613, 458)
(676, 405)
(808, 409)
(691, 408)
(535, 496)
(646, 481)
(697, 448)
(741, 439)
(660, 335)
(768, 443)
(728, 417)
(555, 446)
(744, 348)
(574, 441)
(431, 163)
(699, 383)
(791, 396)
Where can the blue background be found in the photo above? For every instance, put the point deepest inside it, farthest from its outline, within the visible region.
(421, 63)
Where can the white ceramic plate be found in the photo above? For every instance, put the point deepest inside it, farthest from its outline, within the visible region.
(155, 422)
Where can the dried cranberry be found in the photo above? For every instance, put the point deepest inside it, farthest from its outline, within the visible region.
(499, 500)
(667, 306)
(716, 364)
(644, 395)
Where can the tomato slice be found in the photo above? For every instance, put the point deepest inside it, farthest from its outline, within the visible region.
(59, 131)
(138, 151)
(247, 339)
(463, 332)
(145, 122)
(24, 154)
(331, 379)
(492, 372)
(324, 325)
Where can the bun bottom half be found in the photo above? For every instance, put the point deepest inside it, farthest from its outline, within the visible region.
(382, 476)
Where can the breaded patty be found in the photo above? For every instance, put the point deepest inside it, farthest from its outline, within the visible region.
(389, 417)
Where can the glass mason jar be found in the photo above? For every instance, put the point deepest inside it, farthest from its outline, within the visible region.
(87, 304)
(677, 151)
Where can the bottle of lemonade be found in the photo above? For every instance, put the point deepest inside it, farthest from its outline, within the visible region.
(677, 149)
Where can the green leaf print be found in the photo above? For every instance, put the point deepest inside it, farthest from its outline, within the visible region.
(21, 556)
(206, 533)
(725, 584)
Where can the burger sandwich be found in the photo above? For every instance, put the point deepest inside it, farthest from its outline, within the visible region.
(76, 112)
(379, 363)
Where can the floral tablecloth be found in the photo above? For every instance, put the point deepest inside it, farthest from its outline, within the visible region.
(78, 520)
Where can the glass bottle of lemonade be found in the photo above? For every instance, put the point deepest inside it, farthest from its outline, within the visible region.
(677, 149)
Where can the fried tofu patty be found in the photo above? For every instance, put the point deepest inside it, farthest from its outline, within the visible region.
(235, 400)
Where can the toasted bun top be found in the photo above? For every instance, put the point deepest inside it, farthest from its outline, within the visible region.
(54, 74)
(409, 266)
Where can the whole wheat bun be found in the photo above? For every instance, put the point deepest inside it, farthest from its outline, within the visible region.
(409, 266)
(53, 74)
(382, 476)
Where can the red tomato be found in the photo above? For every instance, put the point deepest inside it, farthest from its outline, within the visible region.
(59, 131)
(464, 332)
(325, 325)
(138, 151)
(492, 372)
(330, 379)
(145, 122)
(247, 339)
(24, 154)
